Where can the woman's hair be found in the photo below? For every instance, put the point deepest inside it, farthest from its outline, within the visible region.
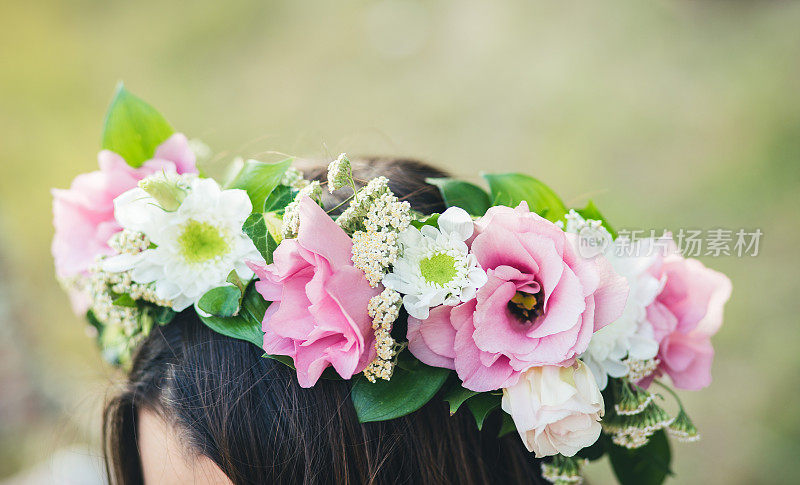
(249, 416)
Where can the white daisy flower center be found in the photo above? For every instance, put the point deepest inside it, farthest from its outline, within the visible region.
(201, 241)
(438, 269)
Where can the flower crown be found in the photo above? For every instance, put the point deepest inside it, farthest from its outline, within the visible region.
(508, 301)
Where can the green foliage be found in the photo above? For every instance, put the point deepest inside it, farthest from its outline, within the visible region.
(648, 465)
(259, 179)
(457, 193)
(591, 212)
(222, 301)
(125, 300)
(482, 405)
(431, 220)
(512, 188)
(406, 392)
(456, 395)
(164, 315)
(133, 129)
(256, 229)
(507, 426)
(279, 198)
(247, 324)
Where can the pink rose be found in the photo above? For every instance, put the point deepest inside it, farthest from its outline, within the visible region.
(319, 312)
(540, 306)
(685, 315)
(83, 215)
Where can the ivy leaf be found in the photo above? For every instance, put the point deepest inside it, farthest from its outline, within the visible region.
(280, 197)
(247, 324)
(255, 226)
(648, 465)
(456, 395)
(431, 220)
(457, 193)
(512, 188)
(508, 425)
(259, 179)
(482, 405)
(222, 301)
(406, 392)
(591, 212)
(133, 129)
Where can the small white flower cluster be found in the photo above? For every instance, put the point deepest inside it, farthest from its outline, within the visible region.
(129, 242)
(376, 217)
(683, 429)
(294, 178)
(639, 369)
(339, 173)
(634, 431)
(632, 400)
(563, 470)
(291, 218)
(384, 310)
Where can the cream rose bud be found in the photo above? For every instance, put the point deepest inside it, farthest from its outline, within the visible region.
(556, 409)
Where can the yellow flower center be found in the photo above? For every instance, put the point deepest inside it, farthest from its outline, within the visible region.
(525, 306)
(438, 269)
(201, 241)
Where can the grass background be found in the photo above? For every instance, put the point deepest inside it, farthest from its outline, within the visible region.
(668, 113)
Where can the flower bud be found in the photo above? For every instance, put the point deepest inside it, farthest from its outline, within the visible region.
(168, 191)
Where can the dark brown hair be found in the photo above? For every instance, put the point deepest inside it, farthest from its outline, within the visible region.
(251, 418)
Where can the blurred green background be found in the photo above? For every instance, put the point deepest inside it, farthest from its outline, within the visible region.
(667, 113)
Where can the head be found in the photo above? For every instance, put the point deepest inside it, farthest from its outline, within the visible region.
(204, 408)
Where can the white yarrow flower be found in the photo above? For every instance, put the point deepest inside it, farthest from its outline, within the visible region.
(435, 267)
(196, 246)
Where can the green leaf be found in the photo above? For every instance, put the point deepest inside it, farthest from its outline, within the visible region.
(222, 301)
(512, 188)
(280, 197)
(247, 324)
(431, 220)
(133, 129)
(256, 229)
(164, 315)
(403, 394)
(648, 465)
(125, 300)
(457, 193)
(481, 405)
(591, 212)
(508, 425)
(456, 395)
(259, 179)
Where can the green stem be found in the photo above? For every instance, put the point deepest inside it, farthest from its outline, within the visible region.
(345, 201)
(674, 394)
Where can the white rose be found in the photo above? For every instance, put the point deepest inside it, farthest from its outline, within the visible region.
(556, 409)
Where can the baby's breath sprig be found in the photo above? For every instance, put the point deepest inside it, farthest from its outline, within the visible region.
(384, 310)
(291, 216)
(563, 470)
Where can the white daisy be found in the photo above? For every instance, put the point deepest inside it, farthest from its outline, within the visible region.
(196, 246)
(435, 267)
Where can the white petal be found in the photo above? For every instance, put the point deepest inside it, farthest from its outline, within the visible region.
(456, 220)
(121, 262)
